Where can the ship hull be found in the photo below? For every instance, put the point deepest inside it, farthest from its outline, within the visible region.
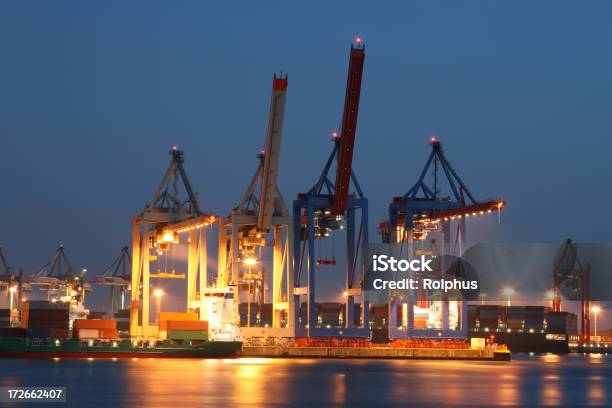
(26, 348)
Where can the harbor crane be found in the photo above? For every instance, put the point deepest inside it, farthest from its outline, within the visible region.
(118, 277)
(60, 280)
(13, 285)
(423, 211)
(571, 278)
(158, 228)
(262, 211)
(330, 206)
(7, 277)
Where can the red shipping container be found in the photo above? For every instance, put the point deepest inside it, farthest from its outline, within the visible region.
(48, 324)
(35, 314)
(59, 333)
(198, 325)
(94, 324)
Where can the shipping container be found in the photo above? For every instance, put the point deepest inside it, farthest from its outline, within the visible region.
(38, 332)
(175, 316)
(472, 315)
(48, 324)
(123, 326)
(94, 324)
(59, 333)
(13, 332)
(41, 315)
(46, 305)
(96, 315)
(87, 333)
(110, 334)
(122, 313)
(561, 323)
(198, 325)
(187, 335)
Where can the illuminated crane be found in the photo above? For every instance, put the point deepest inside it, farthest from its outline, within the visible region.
(246, 228)
(329, 206)
(422, 211)
(158, 228)
(61, 281)
(7, 278)
(13, 284)
(117, 276)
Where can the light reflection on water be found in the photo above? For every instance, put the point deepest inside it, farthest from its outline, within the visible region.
(547, 380)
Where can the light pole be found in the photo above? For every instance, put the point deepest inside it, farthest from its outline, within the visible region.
(12, 291)
(595, 310)
(482, 298)
(158, 293)
(249, 262)
(508, 291)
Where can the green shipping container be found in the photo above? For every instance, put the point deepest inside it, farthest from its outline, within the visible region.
(187, 335)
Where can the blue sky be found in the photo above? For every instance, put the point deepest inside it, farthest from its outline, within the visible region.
(94, 95)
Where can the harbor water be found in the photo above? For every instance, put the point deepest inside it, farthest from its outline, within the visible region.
(548, 380)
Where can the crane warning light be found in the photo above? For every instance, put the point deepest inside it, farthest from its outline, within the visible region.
(433, 139)
(358, 40)
(334, 135)
(174, 148)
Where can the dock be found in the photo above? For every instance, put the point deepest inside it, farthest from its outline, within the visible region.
(377, 353)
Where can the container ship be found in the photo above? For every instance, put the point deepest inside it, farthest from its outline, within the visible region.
(52, 329)
(536, 329)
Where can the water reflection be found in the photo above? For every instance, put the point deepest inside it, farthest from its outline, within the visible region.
(182, 383)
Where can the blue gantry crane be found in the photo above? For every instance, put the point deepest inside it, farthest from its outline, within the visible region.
(422, 211)
(327, 207)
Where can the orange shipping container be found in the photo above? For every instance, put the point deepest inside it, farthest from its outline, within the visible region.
(109, 334)
(198, 325)
(176, 316)
(420, 322)
(94, 324)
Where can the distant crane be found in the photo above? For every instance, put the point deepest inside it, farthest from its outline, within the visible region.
(329, 206)
(13, 284)
(572, 277)
(60, 279)
(7, 278)
(261, 211)
(117, 276)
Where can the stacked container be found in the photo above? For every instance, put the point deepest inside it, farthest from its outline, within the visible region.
(515, 317)
(561, 323)
(93, 329)
(490, 317)
(45, 319)
(165, 317)
(123, 320)
(5, 325)
(187, 330)
(534, 319)
(5, 317)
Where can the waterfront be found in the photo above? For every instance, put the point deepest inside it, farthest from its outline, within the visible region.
(548, 380)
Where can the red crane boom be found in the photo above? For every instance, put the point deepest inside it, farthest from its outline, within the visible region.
(349, 127)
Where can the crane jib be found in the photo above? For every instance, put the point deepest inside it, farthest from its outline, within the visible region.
(348, 131)
(271, 153)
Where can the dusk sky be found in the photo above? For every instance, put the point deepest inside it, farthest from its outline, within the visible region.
(95, 94)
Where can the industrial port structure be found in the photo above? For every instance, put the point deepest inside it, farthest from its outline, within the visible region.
(262, 227)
